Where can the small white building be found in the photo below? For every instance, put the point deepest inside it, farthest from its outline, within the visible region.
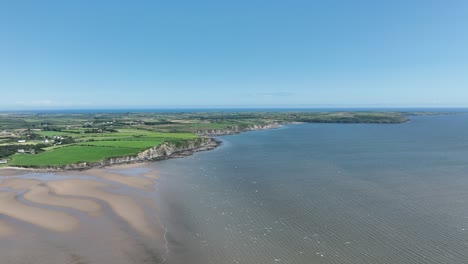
(21, 141)
(2, 161)
(28, 151)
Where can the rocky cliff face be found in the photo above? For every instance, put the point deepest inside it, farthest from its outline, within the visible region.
(163, 151)
(236, 129)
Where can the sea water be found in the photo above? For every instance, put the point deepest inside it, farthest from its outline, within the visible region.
(323, 193)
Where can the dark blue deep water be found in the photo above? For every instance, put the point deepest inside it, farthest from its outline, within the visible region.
(323, 193)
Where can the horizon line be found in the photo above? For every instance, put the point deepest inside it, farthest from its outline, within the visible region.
(234, 108)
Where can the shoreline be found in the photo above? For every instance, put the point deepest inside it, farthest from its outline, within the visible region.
(164, 151)
(205, 142)
(160, 152)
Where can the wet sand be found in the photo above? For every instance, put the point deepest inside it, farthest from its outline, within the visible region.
(44, 195)
(18, 183)
(94, 216)
(136, 182)
(52, 220)
(123, 206)
(13, 171)
(37, 192)
(5, 229)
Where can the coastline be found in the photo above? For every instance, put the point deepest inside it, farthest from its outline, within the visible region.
(160, 152)
(164, 151)
(129, 200)
(167, 150)
(172, 145)
(127, 205)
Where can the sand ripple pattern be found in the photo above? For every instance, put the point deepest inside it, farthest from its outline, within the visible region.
(44, 215)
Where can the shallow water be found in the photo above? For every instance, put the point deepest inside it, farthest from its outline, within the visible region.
(323, 193)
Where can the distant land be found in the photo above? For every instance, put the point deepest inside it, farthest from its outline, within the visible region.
(81, 139)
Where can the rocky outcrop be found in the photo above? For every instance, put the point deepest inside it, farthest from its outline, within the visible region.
(164, 151)
(236, 129)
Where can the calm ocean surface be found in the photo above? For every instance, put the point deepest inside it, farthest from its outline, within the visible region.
(323, 193)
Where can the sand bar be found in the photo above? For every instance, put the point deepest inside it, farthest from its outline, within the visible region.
(49, 219)
(123, 206)
(131, 181)
(19, 183)
(42, 194)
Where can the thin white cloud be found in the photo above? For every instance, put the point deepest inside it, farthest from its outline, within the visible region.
(49, 103)
(273, 94)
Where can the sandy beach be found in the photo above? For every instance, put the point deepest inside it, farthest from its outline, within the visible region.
(123, 206)
(52, 220)
(18, 183)
(43, 195)
(140, 182)
(79, 209)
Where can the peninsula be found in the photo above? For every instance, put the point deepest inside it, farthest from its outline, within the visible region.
(85, 140)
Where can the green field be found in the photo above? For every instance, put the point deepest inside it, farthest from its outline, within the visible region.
(136, 144)
(94, 147)
(70, 155)
(54, 133)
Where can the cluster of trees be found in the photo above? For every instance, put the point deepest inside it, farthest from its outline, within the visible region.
(154, 123)
(100, 130)
(67, 140)
(357, 118)
(6, 151)
(33, 136)
(48, 128)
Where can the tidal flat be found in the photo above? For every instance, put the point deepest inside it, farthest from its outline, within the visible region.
(94, 216)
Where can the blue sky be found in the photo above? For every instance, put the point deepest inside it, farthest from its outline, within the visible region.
(255, 53)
